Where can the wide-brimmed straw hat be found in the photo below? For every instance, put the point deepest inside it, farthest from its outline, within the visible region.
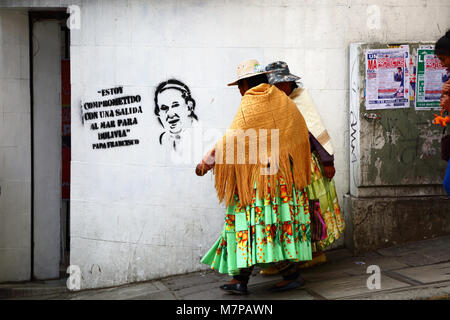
(279, 72)
(247, 69)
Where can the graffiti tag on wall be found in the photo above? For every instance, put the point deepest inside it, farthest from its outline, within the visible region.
(353, 127)
(175, 109)
(112, 115)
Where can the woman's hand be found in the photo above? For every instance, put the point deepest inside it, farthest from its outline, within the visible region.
(209, 157)
(200, 170)
(446, 88)
(445, 98)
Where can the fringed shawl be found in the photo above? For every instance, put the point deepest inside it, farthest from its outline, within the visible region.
(263, 107)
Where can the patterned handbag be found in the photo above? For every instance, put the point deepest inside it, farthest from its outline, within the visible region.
(445, 146)
(318, 226)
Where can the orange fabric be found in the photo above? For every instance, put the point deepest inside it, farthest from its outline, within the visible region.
(440, 120)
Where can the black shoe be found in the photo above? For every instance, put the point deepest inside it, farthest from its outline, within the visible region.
(291, 285)
(236, 288)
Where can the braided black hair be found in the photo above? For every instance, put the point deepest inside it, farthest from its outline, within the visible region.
(255, 80)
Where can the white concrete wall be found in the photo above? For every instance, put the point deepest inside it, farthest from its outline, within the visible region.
(15, 147)
(47, 147)
(136, 215)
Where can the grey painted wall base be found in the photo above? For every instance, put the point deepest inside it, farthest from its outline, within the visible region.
(374, 223)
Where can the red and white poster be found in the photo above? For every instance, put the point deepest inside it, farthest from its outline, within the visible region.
(387, 78)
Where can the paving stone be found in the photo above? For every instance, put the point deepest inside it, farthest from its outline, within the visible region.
(30, 289)
(418, 259)
(260, 279)
(354, 265)
(416, 247)
(338, 254)
(258, 287)
(215, 294)
(426, 252)
(58, 283)
(351, 286)
(385, 264)
(328, 271)
(186, 292)
(262, 292)
(440, 254)
(8, 293)
(409, 271)
(160, 286)
(223, 277)
(399, 251)
(427, 274)
(256, 292)
(42, 297)
(255, 278)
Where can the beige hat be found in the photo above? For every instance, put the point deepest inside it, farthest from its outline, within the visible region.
(247, 69)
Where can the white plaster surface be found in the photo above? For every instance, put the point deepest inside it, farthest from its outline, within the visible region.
(47, 148)
(152, 217)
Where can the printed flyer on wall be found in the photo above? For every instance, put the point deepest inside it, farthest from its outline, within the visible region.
(431, 75)
(387, 78)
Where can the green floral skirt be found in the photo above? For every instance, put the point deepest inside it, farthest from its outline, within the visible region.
(324, 190)
(269, 230)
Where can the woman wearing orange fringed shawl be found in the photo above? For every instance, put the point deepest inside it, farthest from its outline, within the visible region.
(322, 191)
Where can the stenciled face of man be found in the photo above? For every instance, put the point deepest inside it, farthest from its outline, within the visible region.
(174, 111)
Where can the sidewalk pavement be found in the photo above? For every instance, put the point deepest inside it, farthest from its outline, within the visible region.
(417, 270)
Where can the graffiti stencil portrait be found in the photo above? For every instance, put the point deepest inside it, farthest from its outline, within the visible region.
(174, 107)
